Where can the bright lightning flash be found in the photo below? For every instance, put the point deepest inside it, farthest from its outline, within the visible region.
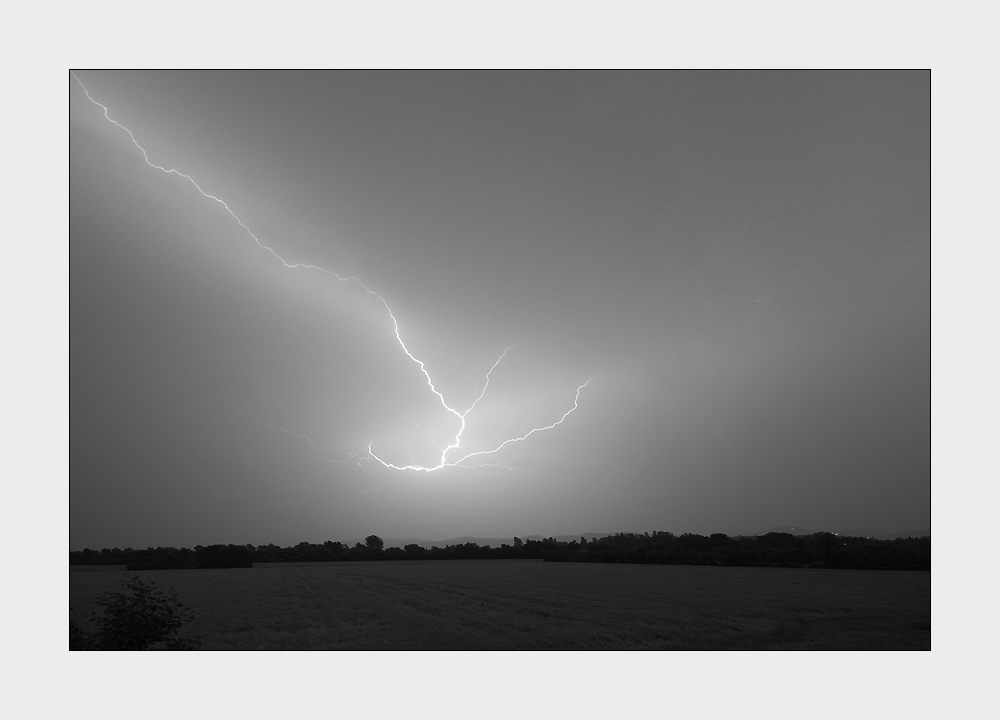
(457, 443)
(444, 463)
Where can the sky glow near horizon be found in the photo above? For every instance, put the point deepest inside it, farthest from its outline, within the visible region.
(683, 301)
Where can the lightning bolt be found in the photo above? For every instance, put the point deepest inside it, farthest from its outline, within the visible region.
(444, 464)
(457, 444)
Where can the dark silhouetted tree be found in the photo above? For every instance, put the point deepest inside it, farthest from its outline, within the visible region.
(414, 550)
(143, 618)
(374, 542)
(79, 639)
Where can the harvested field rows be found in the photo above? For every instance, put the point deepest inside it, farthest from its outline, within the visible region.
(496, 604)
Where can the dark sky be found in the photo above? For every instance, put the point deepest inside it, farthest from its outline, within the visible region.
(740, 261)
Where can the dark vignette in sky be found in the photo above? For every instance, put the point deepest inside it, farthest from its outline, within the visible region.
(740, 261)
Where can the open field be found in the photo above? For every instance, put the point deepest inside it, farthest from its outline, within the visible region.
(524, 605)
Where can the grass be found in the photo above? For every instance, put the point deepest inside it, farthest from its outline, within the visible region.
(531, 605)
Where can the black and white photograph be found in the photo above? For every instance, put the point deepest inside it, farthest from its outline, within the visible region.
(500, 360)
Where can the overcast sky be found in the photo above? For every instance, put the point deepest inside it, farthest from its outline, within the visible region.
(739, 263)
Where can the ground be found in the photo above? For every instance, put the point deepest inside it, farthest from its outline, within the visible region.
(525, 605)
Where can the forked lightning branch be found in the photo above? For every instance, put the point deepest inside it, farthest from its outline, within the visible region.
(452, 447)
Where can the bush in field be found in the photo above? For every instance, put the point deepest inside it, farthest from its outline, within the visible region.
(144, 618)
(79, 639)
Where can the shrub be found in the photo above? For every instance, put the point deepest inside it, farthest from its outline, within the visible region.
(144, 618)
(79, 639)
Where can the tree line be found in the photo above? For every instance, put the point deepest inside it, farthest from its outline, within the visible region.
(820, 550)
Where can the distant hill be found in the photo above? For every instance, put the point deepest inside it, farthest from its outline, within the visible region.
(496, 542)
(790, 529)
(851, 532)
(915, 534)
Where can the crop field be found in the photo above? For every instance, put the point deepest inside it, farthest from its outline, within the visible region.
(534, 605)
